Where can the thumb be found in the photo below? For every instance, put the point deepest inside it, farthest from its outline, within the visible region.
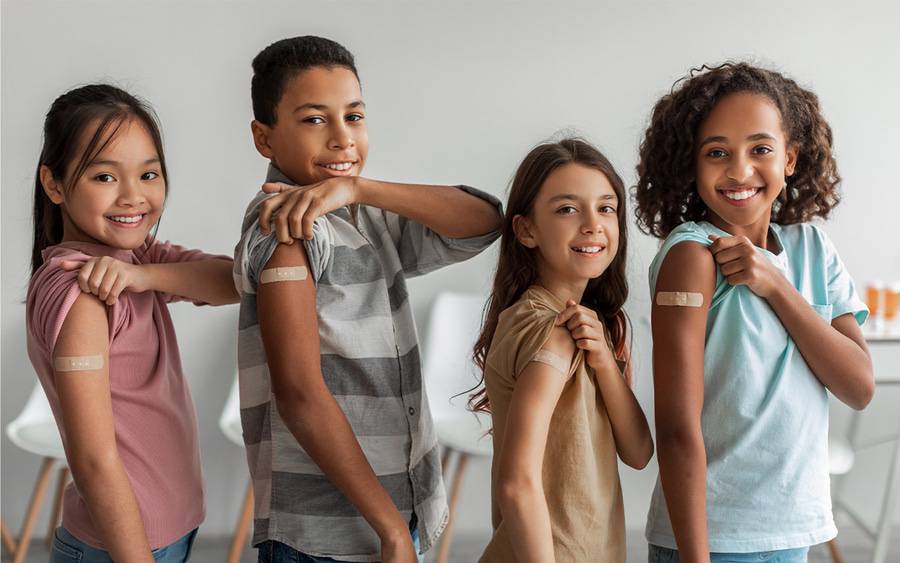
(273, 187)
(714, 237)
(70, 265)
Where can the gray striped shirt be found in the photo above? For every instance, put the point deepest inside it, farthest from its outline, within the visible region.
(359, 258)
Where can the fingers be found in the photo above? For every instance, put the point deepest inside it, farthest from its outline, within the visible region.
(722, 243)
(69, 265)
(290, 224)
(571, 310)
(117, 288)
(277, 187)
(266, 209)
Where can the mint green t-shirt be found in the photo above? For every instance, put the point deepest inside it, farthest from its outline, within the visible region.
(765, 414)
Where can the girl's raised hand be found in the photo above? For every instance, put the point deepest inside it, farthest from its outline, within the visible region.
(296, 207)
(107, 277)
(588, 332)
(742, 264)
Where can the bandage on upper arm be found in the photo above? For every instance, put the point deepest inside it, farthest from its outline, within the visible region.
(290, 273)
(78, 363)
(553, 360)
(679, 299)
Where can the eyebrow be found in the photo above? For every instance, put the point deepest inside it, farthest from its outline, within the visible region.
(573, 197)
(322, 107)
(754, 137)
(117, 163)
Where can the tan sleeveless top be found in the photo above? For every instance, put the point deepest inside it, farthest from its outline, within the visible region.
(580, 472)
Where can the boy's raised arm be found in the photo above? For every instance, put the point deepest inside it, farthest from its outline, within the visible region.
(289, 328)
(679, 334)
(447, 210)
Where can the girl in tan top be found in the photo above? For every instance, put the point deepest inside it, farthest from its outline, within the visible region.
(555, 363)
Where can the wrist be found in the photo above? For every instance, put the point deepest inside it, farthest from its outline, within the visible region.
(363, 192)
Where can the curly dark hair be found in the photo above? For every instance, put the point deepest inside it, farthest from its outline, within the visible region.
(666, 192)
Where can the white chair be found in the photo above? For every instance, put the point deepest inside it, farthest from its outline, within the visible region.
(230, 423)
(840, 462)
(449, 372)
(35, 431)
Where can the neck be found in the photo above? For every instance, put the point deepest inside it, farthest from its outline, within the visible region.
(563, 289)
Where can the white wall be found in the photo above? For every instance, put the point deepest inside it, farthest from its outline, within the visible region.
(457, 92)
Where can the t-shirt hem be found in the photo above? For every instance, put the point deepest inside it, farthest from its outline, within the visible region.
(805, 539)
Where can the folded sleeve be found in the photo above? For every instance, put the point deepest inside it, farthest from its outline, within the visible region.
(842, 294)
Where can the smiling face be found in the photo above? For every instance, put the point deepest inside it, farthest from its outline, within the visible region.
(320, 129)
(743, 159)
(120, 195)
(573, 226)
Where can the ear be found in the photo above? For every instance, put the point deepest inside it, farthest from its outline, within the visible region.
(522, 228)
(261, 133)
(50, 185)
(791, 162)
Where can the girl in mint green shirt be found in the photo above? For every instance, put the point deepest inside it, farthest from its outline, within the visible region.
(736, 161)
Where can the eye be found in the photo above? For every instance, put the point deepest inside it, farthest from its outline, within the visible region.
(717, 153)
(763, 150)
(149, 175)
(314, 120)
(105, 178)
(567, 210)
(354, 117)
(607, 209)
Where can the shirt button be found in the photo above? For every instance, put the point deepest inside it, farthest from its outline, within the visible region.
(412, 411)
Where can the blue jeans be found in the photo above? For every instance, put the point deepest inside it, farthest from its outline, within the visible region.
(665, 555)
(69, 549)
(276, 552)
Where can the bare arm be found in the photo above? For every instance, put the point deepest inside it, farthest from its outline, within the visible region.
(208, 281)
(679, 335)
(634, 444)
(289, 327)
(446, 210)
(836, 352)
(91, 450)
(520, 482)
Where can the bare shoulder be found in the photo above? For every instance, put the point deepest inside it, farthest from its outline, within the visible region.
(688, 266)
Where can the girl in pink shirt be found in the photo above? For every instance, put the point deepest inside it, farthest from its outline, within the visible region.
(100, 336)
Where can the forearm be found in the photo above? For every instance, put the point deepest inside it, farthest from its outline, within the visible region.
(634, 443)
(446, 210)
(207, 281)
(322, 429)
(106, 490)
(682, 470)
(527, 519)
(837, 361)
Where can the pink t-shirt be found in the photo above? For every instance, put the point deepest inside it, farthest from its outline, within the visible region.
(154, 418)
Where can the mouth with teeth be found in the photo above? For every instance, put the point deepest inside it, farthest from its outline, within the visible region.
(589, 251)
(740, 196)
(127, 221)
(341, 168)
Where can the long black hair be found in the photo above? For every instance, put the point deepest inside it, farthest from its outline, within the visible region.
(100, 108)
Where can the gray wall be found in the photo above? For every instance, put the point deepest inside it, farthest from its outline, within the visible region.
(457, 92)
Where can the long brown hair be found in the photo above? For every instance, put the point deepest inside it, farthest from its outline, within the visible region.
(517, 265)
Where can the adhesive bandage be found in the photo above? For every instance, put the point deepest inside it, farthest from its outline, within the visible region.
(293, 273)
(552, 360)
(78, 363)
(679, 299)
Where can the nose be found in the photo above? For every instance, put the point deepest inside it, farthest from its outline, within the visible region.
(131, 193)
(591, 224)
(739, 169)
(341, 137)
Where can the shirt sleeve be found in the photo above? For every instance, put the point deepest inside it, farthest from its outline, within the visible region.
(842, 294)
(53, 293)
(422, 250)
(530, 336)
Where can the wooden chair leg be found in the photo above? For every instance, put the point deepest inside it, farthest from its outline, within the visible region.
(455, 489)
(445, 460)
(835, 551)
(239, 540)
(33, 509)
(9, 542)
(56, 513)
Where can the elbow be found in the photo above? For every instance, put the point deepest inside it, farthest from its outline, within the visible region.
(639, 458)
(516, 492)
(94, 465)
(864, 395)
(681, 437)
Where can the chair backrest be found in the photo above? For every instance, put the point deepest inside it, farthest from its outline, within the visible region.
(35, 430)
(453, 327)
(230, 419)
